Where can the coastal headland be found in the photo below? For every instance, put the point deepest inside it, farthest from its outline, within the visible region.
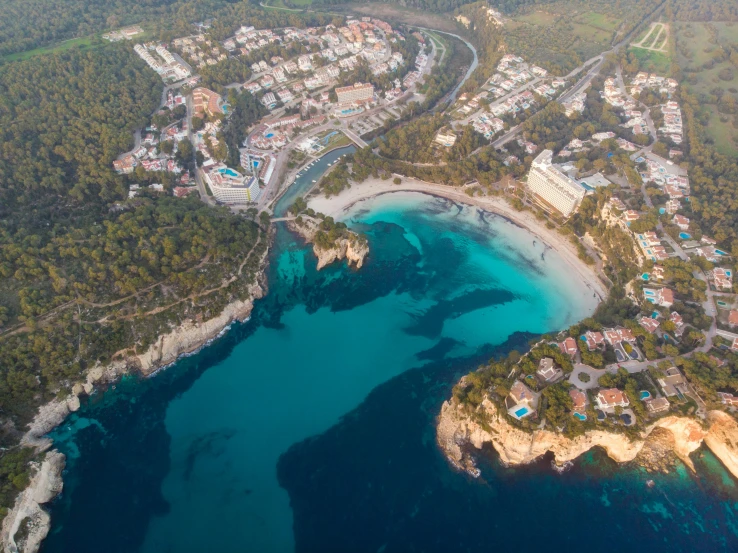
(457, 426)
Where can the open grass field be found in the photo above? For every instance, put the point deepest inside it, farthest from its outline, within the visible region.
(394, 12)
(540, 18)
(83, 43)
(652, 61)
(722, 131)
(563, 34)
(694, 44)
(606, 22)
(592, 34)
(697, 45)
(296, 5)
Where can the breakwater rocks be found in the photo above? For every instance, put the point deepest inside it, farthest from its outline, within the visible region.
(327, 248)
(28, 523)
(458, 425)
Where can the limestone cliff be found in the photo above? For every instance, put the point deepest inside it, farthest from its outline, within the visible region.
(187, 337)
(458, 426)
(28, 523)
(722, 439)
(351, 246)
(192, 335)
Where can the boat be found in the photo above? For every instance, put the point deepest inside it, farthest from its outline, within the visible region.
(314, 180)
(650, 483)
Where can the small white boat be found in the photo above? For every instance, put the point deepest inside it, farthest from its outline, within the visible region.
(314, 180)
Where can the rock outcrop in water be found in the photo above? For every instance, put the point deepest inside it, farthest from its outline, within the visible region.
(346, 245)
(28, 523)
(458, 426)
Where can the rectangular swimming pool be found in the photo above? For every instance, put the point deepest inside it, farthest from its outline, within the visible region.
(520, 413)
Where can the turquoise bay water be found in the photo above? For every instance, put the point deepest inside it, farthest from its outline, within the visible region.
(310, 428)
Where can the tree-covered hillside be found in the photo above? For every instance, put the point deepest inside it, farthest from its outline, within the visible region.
(85, 275)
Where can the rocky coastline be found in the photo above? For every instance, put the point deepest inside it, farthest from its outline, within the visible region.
(28, 516)
(28, 523)
(458, 426)
(351, 246)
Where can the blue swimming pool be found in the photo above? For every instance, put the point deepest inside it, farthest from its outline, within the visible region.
(580, 416)
(645, 394)
(662, 210)
(269, 135)
(520, 413)
(645, 276)
(685, 235)
(649, 292)
(720, 252)
(655, 315)
(228, 171)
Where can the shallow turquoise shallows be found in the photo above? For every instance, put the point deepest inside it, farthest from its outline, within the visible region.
(311, 427)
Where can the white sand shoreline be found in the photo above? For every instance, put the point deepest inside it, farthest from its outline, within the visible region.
(338, 206)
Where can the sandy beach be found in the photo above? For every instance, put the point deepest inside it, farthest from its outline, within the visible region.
(338, 206)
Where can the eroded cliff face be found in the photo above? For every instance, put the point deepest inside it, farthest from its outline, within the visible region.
(352, 248)
(47, 483)
(186, 338)
(192, 335)
(458, 426)
(28, 523)
(722, 439)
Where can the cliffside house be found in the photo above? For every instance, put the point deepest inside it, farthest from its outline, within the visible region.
(728, 399)
(674, 383)
(609, 398)
(657, 405)
(521, 402)
(548, 371)
(579, 400)
(614, 336)
(569, 347)
(594, 340)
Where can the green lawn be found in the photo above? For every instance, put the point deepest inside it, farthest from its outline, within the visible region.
(653, 62)
(602, 21)
(592, 34)
(83, 43)
(723, 133)
(542, 19)
(280, 5)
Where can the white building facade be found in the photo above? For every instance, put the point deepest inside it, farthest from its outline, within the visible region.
(554, 187)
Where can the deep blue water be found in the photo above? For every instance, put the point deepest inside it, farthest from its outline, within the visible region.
(311, 427)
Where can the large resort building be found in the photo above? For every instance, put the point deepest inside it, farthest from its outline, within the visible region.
(207, 102)
(357, 93)
(551, 185)
(231, 187)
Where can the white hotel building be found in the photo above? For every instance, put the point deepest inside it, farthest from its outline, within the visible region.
(551, 185)
(231, 187)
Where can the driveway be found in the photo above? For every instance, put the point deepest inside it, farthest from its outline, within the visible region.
(594, 375)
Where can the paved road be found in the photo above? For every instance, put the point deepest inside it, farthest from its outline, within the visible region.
(472, 67)
(584, 81)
